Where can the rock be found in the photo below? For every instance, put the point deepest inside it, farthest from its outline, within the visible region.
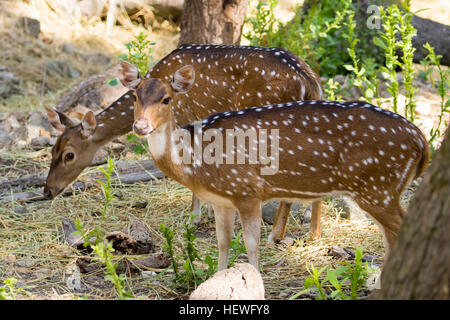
(40, 142)
(270, 208)
(306, 218)
(134, 240)
(100, 157)
(423, 108)
(68, 48)
(5, 138)
(66, 231)
(10, 123)
(36, 122)
(339, 253)
(20, 209)
(116, 147)
(9, 84)
(139, 231)
(287, 242)
(241, 282)
(159, 260)
(42, 273)
(341, 79)
(30, 26)
(73, 280)
(25, 263)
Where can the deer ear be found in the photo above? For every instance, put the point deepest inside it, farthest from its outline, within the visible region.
(183, 79)
(88, 124)
(58, 119)
(129, 75)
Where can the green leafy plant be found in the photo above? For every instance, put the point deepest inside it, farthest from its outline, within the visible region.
(139, 53)
(318, 36)
(107, 185)
(237, 246)
(190, 275)
(387, 41)
(168, 247)
(139, 147)
(314, 280)
(434, 59)
(407, 32)
(351, 275)
(9, 291)
(104, 252)
(89, 238)
(331, 88)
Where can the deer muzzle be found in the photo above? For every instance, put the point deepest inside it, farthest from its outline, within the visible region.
(142, 127)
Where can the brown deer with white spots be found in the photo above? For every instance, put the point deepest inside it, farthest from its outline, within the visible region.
(324, 148)
(228, 78)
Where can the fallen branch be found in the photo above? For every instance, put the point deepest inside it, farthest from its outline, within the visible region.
(127, 173)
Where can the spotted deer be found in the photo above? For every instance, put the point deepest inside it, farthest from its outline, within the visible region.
(228, 78)
(324, 148)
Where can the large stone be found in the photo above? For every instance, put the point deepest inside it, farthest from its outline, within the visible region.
(9, 84)
(241, 282)
(40, 142)
(100, 157)
(423, 108)
(5, 138)
(36, 122)
(30, 26)
(270, 208)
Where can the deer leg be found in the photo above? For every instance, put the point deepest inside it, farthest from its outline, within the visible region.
(224, 230)
(389, 220)
(280, 222)
(196, 209)
(316, 212)
(250, 214)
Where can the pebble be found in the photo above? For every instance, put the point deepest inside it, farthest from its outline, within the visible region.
(39, 142)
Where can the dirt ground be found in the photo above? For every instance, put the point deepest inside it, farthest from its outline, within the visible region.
(30, 248)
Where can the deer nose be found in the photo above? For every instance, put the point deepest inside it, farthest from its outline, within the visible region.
(141, 127)
(48, 192)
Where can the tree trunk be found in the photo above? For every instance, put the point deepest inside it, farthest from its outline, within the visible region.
(419, 264)
(212, 21)
(435, 33)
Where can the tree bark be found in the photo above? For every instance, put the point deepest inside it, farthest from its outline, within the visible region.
(435, 33)
(212, 21)
(419, 264)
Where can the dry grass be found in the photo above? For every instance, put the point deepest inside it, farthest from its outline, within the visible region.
(33, 237)
(94, 49)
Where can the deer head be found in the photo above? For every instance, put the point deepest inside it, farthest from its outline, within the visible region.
(153, 96)
(70, 154)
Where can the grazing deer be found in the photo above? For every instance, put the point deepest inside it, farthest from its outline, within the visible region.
(228, 78)
(320, 149)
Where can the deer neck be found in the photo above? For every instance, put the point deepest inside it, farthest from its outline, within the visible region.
(162, 147)
(114, 121)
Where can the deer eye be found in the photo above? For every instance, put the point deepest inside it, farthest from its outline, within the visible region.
(69, 156)
(167, 100)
